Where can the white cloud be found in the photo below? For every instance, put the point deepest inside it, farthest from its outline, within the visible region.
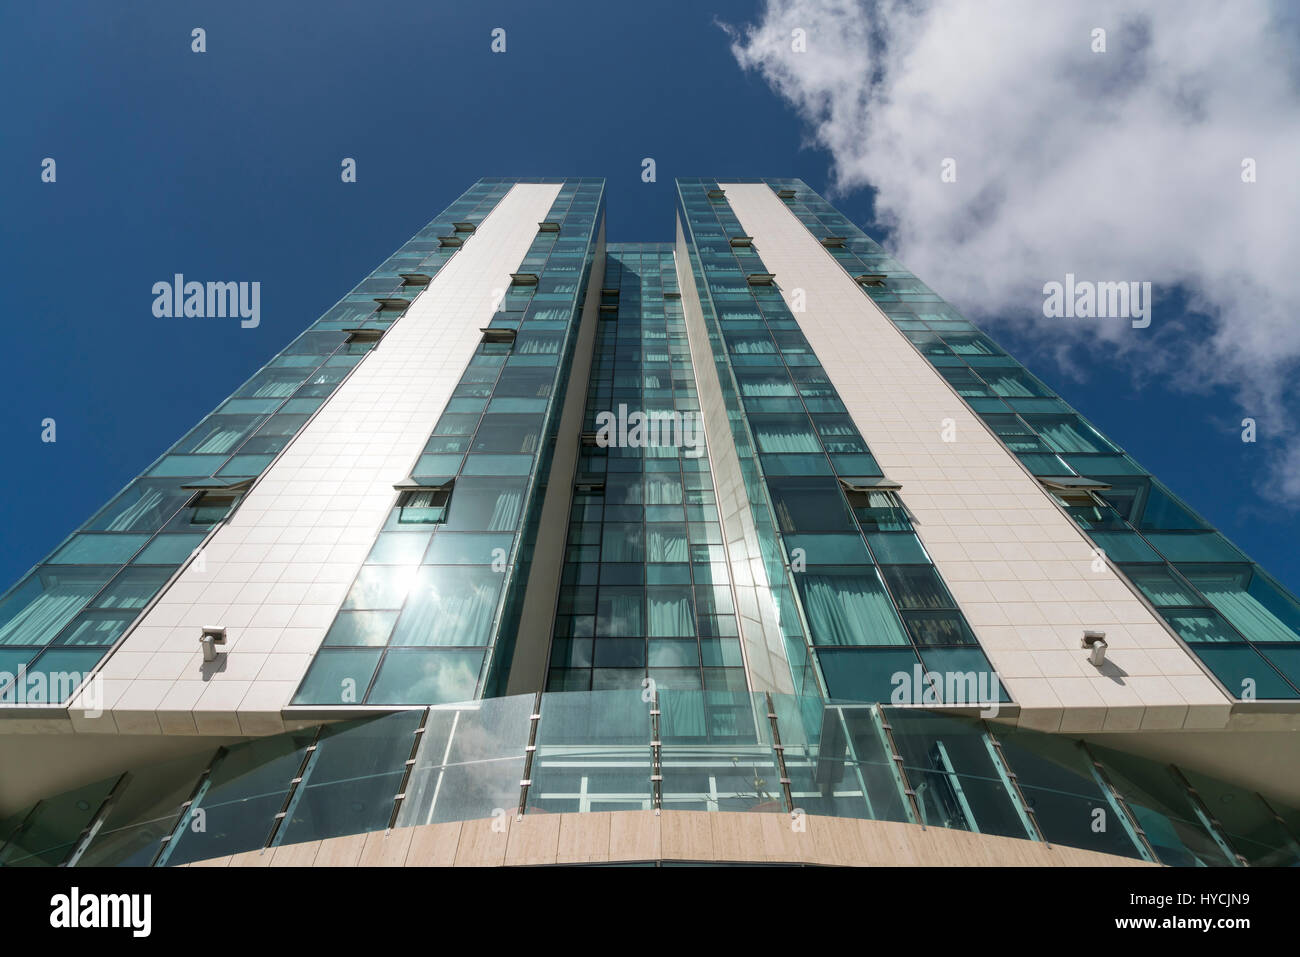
(1123, 165)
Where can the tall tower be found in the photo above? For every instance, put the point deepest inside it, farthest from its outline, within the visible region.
(538, 549)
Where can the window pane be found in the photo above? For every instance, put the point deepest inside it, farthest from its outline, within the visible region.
(1260, 611)
(1160, 585)
(426, 676)
(809, 504)
(361, 628)
(46, 601)
(848, 606)
(338, 677)
(103, 549)
(916, 586)
(486, 504)
(398, 548)
(1244, 672)
(450, 605)
(864, 674)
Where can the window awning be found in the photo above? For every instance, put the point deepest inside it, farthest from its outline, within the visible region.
(1073, 483)
(425, 483)
(866, 483)
(215, 484)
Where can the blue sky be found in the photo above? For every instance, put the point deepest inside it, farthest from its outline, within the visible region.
(225, 166)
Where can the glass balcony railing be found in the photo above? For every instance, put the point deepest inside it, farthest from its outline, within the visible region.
(641, 750)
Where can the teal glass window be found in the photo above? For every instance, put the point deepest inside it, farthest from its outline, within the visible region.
(1161, 586)
(1194, 547)
(1011, 381)
(809, 504)
(133, 588)
(438, 465)
(504, 432)
(763, 384)
(36, 611)
(169, 549)
(865, 674)
(827, 549)
(1013, 431)
(470, 548)
(1067, 433)
(380, 587)
(1163, 511)
(398, 548)
(784, 433)
(1124, 546)
(1245, 672)
(338, 676)
(1254, 606)
(1197, 625)
(54, 674)
(897, 548)
(423, 506)
(620, 612)
(450, 605)
(879, 511)
(484, 503)
(145, 506)
(498, 465)
(625, 542)
(95, 628)
(361, 628)
(99, 549)
(426, 676)
(848, 606)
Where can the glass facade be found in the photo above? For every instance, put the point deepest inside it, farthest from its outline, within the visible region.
(60, 621)
(431, 614)
(1240, 622)
(646, 589)
(847, 571)
(646, 694)
(674, 749)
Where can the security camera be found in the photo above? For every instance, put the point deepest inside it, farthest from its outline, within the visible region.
(1096, 642)
(210, 639)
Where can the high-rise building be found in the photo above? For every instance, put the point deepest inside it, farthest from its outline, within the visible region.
(744, 547)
